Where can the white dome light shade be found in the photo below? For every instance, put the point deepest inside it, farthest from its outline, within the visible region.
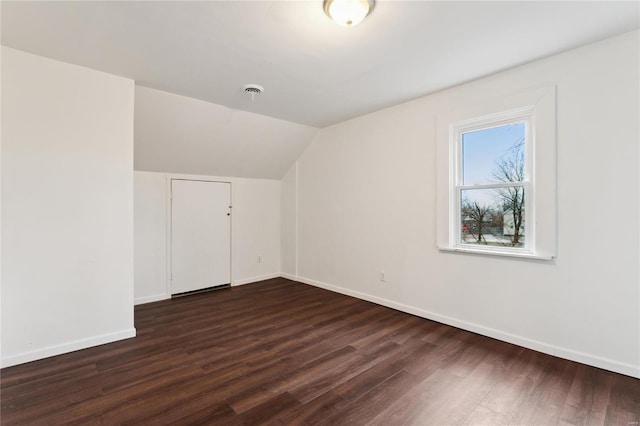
(347, 12)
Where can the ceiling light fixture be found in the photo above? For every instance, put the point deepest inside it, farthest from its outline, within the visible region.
(253, 90)
(348, 13)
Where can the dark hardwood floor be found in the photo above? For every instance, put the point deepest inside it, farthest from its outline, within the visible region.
(284, 353)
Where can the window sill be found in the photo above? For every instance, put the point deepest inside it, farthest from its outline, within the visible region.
(496, 253)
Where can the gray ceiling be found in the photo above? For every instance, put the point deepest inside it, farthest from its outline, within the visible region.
(314, 72)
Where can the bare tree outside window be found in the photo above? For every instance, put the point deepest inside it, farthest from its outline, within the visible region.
(510, 168)
(477, 214)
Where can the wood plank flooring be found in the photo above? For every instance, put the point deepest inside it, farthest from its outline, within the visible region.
(284, 353)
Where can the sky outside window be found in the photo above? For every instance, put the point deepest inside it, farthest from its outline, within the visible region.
(482, 149)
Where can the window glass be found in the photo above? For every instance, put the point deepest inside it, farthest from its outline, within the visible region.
(486, 218)
(493, 155)
(494, 158)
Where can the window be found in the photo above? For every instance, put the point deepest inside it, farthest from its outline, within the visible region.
(490, 198)
(493, 183)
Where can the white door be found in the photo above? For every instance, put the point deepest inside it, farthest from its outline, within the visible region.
(200, 235)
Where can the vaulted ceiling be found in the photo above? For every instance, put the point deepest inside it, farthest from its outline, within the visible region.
(315, 73)
(178, 134)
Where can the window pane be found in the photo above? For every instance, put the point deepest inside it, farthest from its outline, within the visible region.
(493, 155)
(492, 217)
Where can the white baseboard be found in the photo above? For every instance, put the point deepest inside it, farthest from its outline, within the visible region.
(149, 299)
(71, 346)
(581, 357)
(254, 279)
(289, 276)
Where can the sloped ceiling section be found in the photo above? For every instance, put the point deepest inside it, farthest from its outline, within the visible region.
(177, 134)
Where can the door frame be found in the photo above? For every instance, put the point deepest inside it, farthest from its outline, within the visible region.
(170, 179)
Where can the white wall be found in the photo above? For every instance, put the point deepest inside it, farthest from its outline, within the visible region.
(255, 231)
(150, 236)
(367, 193)
(67, 207)
(288, 223)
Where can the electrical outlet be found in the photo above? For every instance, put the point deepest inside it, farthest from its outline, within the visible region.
(382, 278)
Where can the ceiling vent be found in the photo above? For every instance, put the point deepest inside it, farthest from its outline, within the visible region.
(253, 90)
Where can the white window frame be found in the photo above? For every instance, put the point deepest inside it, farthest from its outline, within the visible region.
(455, 145)
(536, 109)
